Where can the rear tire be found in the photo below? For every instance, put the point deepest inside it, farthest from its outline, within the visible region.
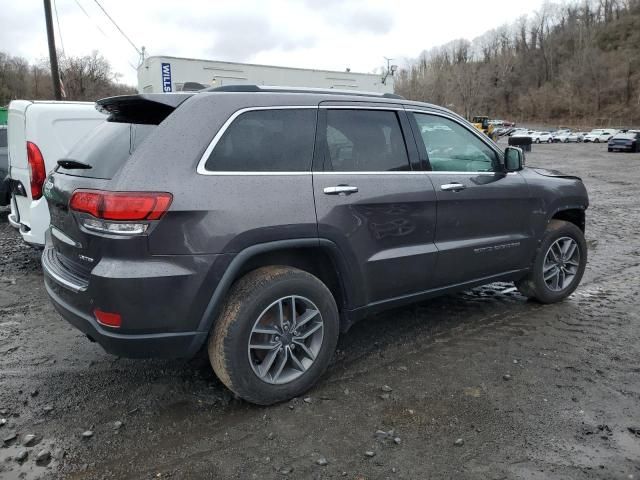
(540, 283)
(256, 347)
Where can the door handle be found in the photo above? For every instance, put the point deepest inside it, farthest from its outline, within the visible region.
(452, 187)
(340, 190)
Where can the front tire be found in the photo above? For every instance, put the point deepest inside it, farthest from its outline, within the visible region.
(558, 266)
(275, 336)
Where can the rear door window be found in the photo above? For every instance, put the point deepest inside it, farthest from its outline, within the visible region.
(364, 141)
(107, 148)
(272, 140)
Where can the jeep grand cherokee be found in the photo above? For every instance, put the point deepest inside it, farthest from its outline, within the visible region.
(262, 222)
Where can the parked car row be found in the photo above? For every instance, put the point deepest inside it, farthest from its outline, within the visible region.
(618, 140)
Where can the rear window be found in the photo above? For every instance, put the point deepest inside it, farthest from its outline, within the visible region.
(364, 140)
(3, 137)
(107, 148)
(273, 140)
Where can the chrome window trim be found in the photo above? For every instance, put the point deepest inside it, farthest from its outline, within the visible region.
(201, 170)
(405, 172)
(249, 174)
(391, 107)
(415, 172)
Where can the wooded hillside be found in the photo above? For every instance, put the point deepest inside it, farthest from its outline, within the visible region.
(576, 63)
(85, 78)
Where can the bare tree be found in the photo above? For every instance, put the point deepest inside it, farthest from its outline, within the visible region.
(85, 78)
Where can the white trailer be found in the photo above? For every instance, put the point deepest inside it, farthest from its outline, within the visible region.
(169, 74)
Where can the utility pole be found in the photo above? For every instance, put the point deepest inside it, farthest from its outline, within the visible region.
(53, 55)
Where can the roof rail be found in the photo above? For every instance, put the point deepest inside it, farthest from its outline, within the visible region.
(278, 89)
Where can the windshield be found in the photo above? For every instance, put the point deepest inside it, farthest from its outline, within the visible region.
(106, 149)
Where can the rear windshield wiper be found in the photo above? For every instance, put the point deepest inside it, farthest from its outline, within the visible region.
(69, 164)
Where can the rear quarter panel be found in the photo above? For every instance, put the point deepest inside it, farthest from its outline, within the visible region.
(214, 214)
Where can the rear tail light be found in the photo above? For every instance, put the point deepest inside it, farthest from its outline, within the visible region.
(37, 170)
(108, 319)
(114, 212)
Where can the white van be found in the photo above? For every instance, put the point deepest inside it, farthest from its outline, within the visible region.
(40, 134)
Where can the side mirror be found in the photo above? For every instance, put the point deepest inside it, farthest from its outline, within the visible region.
(513, 159)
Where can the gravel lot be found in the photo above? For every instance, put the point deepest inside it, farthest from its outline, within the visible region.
(481, 384)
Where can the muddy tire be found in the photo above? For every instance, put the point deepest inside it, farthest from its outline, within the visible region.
(263, 351)
(558, 266)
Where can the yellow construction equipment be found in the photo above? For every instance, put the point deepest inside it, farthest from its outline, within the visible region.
(482, 124)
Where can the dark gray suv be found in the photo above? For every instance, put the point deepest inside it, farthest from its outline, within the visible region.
(261, 222)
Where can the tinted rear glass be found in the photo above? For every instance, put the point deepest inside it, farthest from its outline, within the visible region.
(266, 141)
(3, 137)
(107, 148)
(364, 140)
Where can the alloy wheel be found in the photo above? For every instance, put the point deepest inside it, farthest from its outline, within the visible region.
(285, 340)
(561, 264)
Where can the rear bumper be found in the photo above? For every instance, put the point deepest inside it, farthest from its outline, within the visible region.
(31, 218)
(157, 345)
(622, 147)
(161, 301)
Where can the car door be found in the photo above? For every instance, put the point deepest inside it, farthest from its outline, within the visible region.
(373, 202)
(483, 212)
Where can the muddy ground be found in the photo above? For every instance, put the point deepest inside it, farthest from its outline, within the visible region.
(568, 409)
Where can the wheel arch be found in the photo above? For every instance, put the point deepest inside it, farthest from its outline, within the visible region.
(575, 215)
(320, 257)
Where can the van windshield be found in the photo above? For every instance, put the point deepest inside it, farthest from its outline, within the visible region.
(106, 149)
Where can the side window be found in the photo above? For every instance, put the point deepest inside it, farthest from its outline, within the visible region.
(266, 141)
(364, 141)
(453, 148)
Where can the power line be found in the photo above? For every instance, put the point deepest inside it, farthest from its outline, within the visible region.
(95, 24)
(119, 29)
(90, 18)
(55, 9)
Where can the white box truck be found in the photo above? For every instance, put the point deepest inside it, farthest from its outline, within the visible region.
(39, 134)
(169, 74)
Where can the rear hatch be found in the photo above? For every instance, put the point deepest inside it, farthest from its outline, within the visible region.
(91, 165)
(623, 139)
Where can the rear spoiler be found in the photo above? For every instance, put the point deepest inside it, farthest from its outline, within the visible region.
(147, 108)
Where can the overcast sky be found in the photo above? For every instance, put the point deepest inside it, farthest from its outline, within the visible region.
(324, 34)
